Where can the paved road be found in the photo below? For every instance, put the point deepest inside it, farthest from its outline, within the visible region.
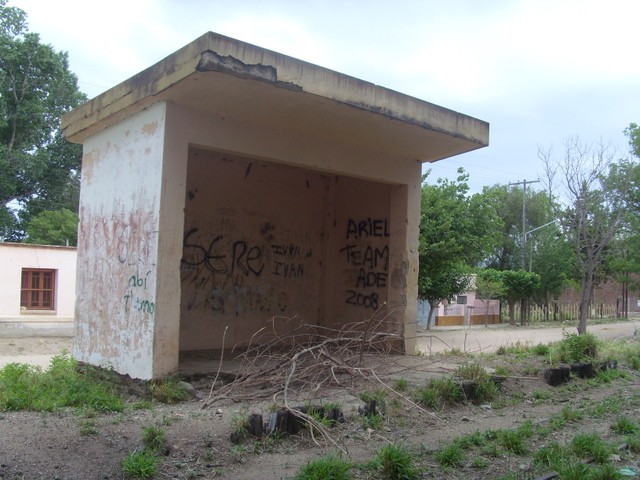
(39, 350)
(488, 339)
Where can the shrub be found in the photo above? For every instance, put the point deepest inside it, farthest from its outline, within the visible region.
(578, 348)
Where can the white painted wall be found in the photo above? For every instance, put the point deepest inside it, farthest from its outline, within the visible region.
(117, 302)
(16, 256)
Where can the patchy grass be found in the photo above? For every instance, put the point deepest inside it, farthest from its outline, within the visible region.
(25, 387)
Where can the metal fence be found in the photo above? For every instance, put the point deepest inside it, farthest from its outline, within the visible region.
(561, 312)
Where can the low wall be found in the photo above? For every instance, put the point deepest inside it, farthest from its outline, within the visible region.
(455, 320)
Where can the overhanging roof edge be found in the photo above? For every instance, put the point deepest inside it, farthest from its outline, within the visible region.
(229, 56)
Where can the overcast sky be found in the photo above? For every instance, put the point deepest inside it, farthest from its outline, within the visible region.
(538, 71)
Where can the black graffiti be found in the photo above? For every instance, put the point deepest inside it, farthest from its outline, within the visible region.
(138, 304)
(136, 281)
(369, 257)
(287, 270)
(371, 279)
(244, 257)
(240, 300)
(284, 250)
(367, 228)
(366, 300)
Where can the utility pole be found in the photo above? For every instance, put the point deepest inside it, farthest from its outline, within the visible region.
(524, 215)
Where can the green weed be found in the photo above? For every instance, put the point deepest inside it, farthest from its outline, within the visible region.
(155, 439)
(475, 439)
(396, 463)
(169, 390)
(472, 371)
(624, 426)
(541, 394)
(479, 463)
(88, 427)
(140, 465)
(401, 385)
(440, 392)
(552, 455)
(373, 422)
(633, 361)
(592, 446)
(633, 443)
(325, 468)
(452, 455)
(512, 441)
(608, 406)
(572, 471)
(541, 349)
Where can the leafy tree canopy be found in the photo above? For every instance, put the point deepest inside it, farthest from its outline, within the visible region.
(39, 170)
(455, 233)
(53, 227)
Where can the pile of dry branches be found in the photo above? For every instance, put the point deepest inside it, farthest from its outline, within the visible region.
(305, 360)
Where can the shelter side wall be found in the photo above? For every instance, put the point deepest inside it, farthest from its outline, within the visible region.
(118, 243)
(252, 250)
(13, 258)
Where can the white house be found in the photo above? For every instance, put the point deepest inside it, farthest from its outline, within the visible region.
(38, 290)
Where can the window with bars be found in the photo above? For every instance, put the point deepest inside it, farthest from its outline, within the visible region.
(38, 289)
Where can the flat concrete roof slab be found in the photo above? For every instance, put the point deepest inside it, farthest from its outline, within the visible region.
(230, 78)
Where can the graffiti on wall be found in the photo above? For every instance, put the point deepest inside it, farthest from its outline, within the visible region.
(222, 272)
(135, 247)
(136, 299)
(365, 254)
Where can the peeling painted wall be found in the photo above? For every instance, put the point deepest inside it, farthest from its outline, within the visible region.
(118, 244)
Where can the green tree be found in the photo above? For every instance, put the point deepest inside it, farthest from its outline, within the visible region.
(594, 196)
(508, 201)
(455, 233)
(518, 285)
(53, 227)
(39, 170)
(633, 133)
(550, 256)
(624, 257)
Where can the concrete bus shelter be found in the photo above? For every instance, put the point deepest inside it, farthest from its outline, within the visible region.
(228, 189)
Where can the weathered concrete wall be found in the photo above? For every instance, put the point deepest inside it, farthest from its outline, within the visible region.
(117, 302)
(270, 247)
(252, 248)
(15, 321)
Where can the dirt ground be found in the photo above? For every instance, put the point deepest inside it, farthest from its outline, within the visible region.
(72, 445)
